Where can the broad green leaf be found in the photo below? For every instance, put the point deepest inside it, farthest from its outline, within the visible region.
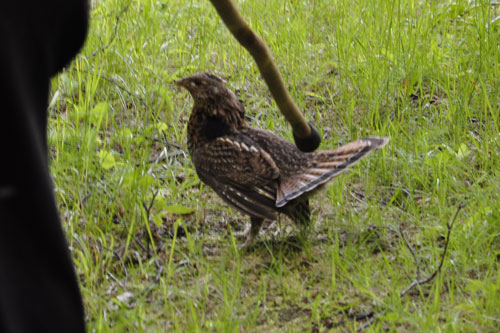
(106, 159)
(463, 151)
(179, 210)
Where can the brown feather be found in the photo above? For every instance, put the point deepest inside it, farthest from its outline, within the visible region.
(253, 170)
(325, 165)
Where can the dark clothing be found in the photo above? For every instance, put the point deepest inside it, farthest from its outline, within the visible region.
(38, 286)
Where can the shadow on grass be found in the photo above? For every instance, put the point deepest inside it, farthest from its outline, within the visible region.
(286, 245)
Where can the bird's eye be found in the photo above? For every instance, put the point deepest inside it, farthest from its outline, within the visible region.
(196, 83)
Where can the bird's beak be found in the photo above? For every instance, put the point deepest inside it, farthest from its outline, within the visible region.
(181, 83)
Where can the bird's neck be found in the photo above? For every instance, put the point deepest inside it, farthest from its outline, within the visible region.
(206, 125)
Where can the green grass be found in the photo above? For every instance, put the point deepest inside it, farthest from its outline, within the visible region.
(153, 247)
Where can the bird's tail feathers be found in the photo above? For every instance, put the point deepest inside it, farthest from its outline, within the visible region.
(325, 165)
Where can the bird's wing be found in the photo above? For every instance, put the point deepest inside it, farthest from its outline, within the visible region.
(240, 172)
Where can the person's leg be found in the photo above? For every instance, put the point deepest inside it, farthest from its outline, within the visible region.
(38, 286)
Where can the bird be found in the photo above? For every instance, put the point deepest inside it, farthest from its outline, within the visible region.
(255, 171)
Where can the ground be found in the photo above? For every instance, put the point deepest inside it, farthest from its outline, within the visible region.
(154, 248)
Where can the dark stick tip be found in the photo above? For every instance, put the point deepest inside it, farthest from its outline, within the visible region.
(309, 143)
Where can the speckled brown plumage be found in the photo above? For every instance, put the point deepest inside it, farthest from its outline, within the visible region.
(253, 170)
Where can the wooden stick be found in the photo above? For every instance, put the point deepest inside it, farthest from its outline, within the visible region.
(306, 136)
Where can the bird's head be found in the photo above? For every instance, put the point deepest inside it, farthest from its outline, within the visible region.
(212, 99)
(204, 87)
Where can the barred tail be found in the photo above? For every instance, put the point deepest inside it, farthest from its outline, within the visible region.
(325, 165)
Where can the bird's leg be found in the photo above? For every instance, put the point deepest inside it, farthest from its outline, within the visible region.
(251, 232)
(254, 229)
(305, 230)
(300, 212)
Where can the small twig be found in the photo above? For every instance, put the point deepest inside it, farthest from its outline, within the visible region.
(356, 197)
(119, 256)
(168, 143)
(368, 323)
(115, 31)
(116, 279)
(125, 270)
(85, 198)
(165, 141)
(165, 155)
(412, 250)
(138, 242)
(417, 281)
(114, 82)
(162, 157)
(160, 272)
(400, 232)
(149, 207)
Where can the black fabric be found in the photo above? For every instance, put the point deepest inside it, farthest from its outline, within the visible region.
(38, 286)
